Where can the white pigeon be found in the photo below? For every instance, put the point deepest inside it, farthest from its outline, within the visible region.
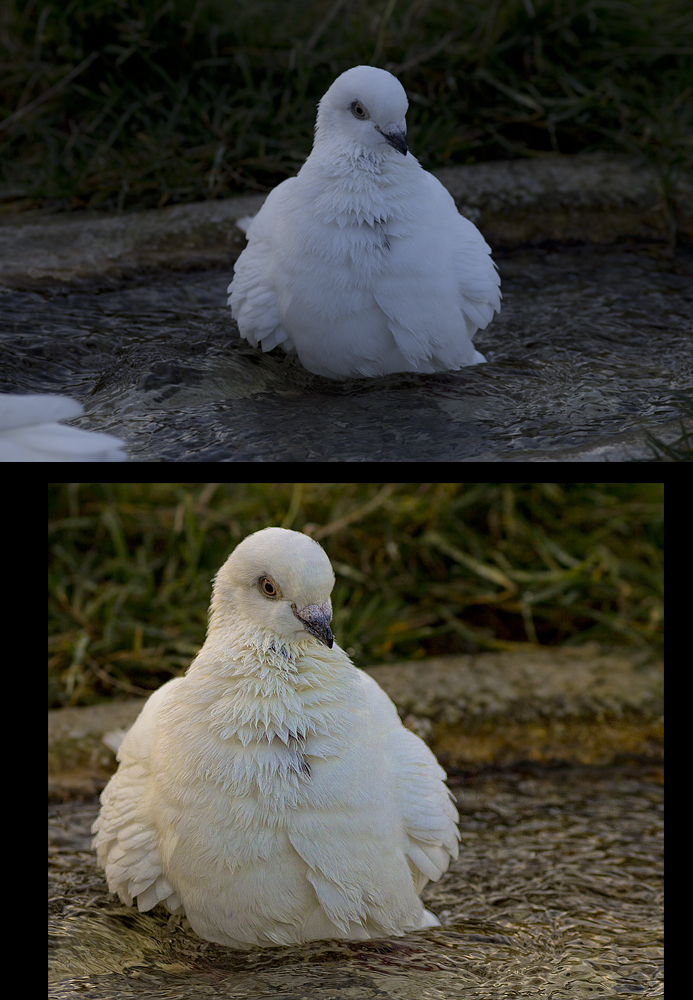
(362, 263)
(29, 432)
(272, 794)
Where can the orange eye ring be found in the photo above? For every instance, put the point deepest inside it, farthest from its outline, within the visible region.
(268, 588)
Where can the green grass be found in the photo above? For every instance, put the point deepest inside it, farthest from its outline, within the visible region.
(681, 449)
(422, 569)
(118, 104)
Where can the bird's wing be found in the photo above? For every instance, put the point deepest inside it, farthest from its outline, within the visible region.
(428, 811)
(477, 275)
(253, 295)
(442, 285)
(427, 808)
(126, 841)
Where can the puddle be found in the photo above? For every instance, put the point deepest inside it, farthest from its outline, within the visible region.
(557, 893)
(590, 346)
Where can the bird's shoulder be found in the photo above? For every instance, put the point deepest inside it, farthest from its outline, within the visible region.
(264, 223)
(380, 706)
(138, 741)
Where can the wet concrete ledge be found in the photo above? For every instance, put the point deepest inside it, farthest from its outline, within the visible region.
(593, 198)
(587, 705)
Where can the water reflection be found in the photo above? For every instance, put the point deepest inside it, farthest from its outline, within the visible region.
(590, 344)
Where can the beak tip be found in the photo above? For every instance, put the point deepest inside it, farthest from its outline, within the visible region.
(316, 620)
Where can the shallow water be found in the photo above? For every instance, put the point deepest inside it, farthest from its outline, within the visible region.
(591, 344)
(557, 893)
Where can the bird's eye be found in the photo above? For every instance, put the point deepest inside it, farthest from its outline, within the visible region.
(358, 110)
(268, 587)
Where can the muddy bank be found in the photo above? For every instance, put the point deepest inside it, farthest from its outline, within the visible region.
(594, 198)
(558, 706)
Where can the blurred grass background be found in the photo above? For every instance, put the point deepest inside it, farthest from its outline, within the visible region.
(422, 569)
(117, 104)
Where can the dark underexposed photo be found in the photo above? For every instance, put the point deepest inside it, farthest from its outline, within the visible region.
(338, 230)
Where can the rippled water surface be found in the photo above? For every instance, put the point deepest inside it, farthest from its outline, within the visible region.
(556, 894)
(591, 343)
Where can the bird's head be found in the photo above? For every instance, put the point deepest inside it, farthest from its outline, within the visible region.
(364, 108)
(278, 583)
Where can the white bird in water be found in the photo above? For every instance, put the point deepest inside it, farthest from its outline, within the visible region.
(271, 794)
(362, 263)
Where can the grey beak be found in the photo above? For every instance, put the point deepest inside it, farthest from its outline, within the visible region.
(317, 621)
(394, 134)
